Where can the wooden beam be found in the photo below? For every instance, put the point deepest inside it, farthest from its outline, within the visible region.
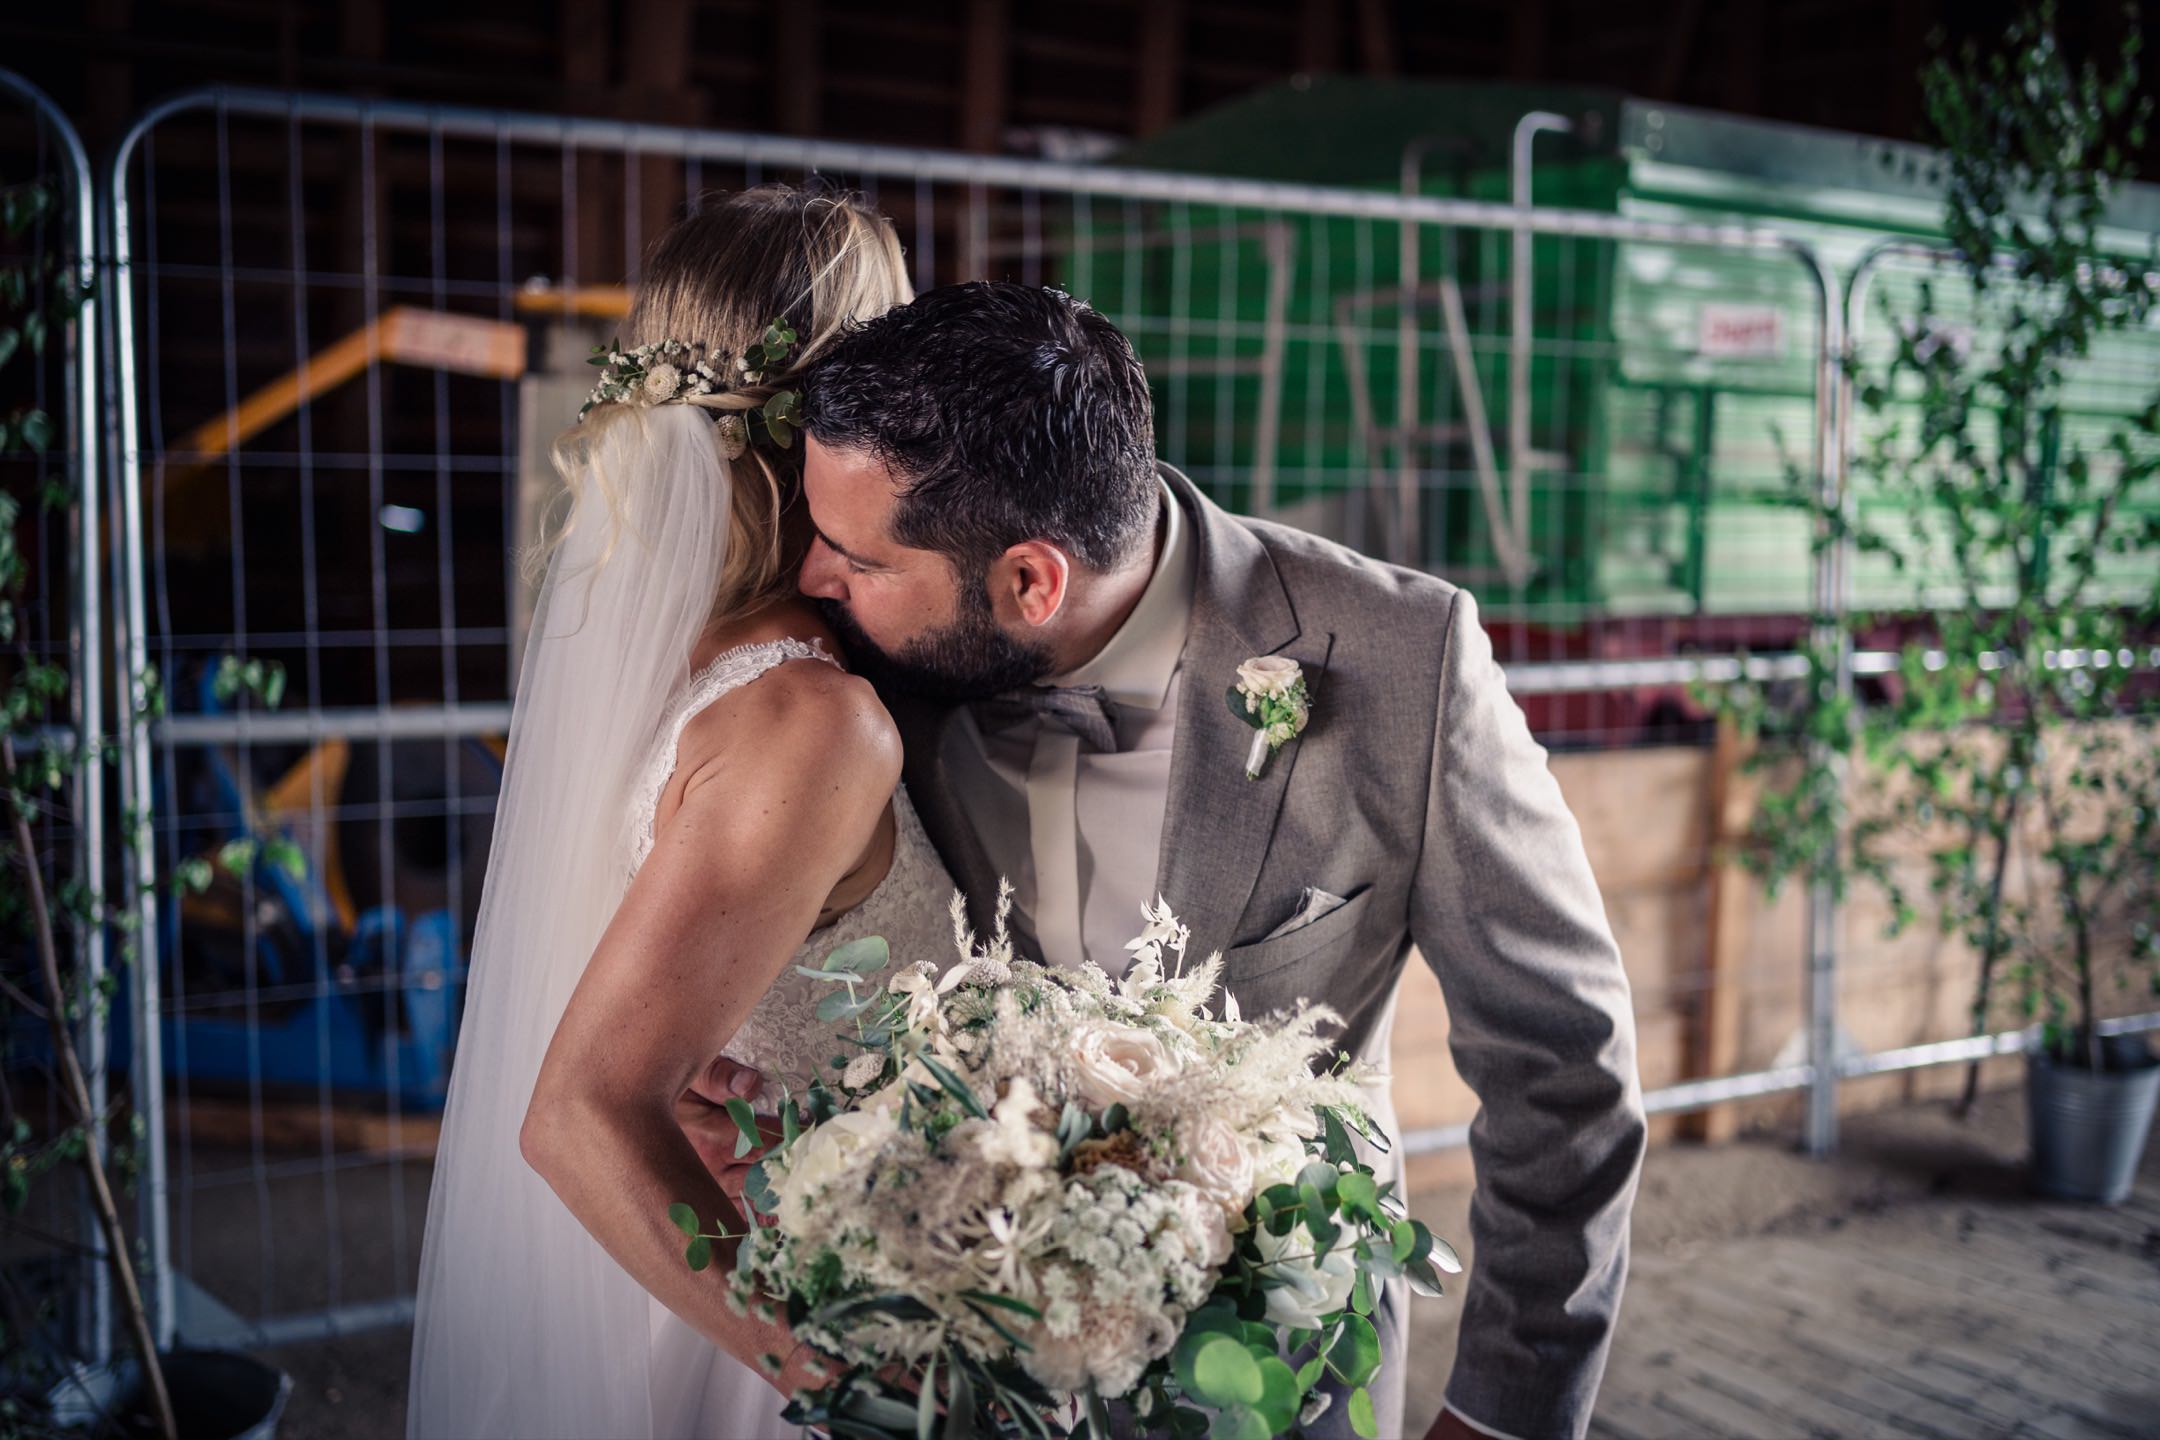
(798, 71)
(1714, 1044)
(1162, 55)
(403, 335)
(658, 38)
(586, 37)
(586, 33)
(985, 76)
(1745, 57)
(1907, 51)
(1319, 37)
(360, 30)
(1376, 37)
(109, 70)
(1679, 46)
(1528, 40)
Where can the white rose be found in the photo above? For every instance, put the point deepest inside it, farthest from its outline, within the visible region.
(661, 382)
(1218, 1163)
(1278, 1163)
(825, 1155)
(1119, 1064)
(1265, 675)
(1308, 1291)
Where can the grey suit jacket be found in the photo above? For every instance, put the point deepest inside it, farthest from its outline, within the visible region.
(1418, 794)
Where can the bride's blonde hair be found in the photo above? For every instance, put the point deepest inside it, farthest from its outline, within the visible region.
(717, 278)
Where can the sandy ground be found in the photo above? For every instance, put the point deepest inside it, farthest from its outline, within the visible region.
(1904, 1182)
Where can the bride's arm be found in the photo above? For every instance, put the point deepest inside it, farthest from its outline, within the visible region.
(769, 823)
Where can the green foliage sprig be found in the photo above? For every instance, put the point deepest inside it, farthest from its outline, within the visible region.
(2019, 739)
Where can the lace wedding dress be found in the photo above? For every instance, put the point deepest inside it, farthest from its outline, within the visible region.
(697, 1389)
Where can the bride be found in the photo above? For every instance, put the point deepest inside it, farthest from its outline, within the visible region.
(697, 798)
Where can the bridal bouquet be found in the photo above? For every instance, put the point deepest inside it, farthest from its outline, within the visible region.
(1025, 1193)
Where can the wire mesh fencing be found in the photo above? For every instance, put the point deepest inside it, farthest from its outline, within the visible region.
(345, 332)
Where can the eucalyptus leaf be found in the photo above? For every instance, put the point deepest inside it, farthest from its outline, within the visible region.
(1239, 1422)
(866, 956)
(1356, 1354)
(956, 1087)
(685, 1219)
(1251, 718)
(1362, 1418)
(747, 1137)
(1224, 1373)
(843, 1005)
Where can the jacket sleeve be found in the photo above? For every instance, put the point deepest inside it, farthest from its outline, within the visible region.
(1542, 1028)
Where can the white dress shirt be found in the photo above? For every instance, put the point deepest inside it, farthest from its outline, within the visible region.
(1078, 830)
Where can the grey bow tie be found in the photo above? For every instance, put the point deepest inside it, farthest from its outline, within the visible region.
(1083, 709)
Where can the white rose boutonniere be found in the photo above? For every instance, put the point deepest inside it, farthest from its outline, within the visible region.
(1272, 697)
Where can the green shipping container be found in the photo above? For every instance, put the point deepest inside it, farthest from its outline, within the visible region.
(1670, 386)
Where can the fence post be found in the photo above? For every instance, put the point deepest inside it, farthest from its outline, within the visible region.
(131, 658)
(1832, 583)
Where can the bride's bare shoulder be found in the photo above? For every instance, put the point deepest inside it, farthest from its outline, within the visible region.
(804, 720)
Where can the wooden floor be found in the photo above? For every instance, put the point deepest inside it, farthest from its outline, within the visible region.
(1964, 1316)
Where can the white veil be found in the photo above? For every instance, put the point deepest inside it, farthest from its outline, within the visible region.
(524, 1326)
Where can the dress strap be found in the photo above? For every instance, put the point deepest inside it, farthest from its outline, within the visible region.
(726, 672)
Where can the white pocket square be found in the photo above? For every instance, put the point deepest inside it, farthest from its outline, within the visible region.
(1313, 905)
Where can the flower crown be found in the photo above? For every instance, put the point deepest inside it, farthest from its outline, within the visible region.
(668, 372)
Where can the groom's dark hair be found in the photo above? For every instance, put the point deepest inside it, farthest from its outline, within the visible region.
(1008, 412)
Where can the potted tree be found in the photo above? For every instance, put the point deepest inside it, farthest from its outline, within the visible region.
(46, 1388)
(2018, 509)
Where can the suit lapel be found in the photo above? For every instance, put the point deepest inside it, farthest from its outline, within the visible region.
(1217, 825)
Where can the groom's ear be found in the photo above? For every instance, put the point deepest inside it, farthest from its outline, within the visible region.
(1029, 583)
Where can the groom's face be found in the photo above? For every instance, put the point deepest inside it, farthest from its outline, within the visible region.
(909, 622)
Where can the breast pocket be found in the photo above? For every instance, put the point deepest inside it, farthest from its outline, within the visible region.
(1270, 957)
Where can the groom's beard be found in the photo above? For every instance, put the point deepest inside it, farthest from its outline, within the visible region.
(968, 659)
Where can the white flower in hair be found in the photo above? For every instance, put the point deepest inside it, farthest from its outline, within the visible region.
(661, 383)
(734, 436)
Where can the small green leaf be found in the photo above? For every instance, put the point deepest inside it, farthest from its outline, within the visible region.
(1240, 1422)
(1279, 1395)
(866, 956)
(699, 1253)
(746, 1126)
(842, 1006)
(1003, 1302)
(684, 1217)
(1225, 1373)
(1362, 1418)
(1356, 1352)
(955, 1087)
(1252, 718)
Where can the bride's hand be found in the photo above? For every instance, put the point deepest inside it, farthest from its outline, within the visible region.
(712, 1132)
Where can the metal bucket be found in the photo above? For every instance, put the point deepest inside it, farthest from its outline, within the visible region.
(2088, 1128)
(216, 1395)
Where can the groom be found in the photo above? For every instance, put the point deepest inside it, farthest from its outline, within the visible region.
(1055, 619)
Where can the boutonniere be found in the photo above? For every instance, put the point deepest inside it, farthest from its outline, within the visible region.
(1272, 697)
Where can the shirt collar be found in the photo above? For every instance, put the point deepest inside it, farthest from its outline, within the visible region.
(1136, 666)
